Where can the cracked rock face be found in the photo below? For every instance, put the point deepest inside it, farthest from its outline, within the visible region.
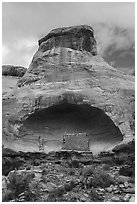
(68, 83)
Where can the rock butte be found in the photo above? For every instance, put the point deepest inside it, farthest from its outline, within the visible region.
(68, 87)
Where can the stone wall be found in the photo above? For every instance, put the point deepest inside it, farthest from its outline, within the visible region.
(79, 142)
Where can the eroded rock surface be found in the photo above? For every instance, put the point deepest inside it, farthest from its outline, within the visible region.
(66, 69)
(10, 70)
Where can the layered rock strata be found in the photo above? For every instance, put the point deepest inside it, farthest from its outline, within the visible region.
(67, 69)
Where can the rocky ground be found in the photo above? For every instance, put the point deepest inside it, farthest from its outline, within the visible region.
(69, 176)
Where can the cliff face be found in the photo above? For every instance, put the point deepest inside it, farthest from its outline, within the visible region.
(66, 69)
(77, 38)
(58, 50)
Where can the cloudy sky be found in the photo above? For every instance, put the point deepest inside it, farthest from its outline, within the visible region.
(24, 23)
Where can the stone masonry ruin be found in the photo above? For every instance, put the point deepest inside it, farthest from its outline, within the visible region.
(69, 89)
(76, 141)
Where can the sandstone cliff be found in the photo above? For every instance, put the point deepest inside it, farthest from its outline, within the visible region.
(67, 69)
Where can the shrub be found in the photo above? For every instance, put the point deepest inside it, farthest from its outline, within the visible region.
(33, 192)
(18, 183)
(124, 158)
(55, 194)
(106, 167)
(71, 172)
(127, 171)
(88, 171)
(94, 196)
(73, 198)
(120, 158)
(74, 164)
(107, 160)
(69, 186)
(44, 172)
(101, 179)
(7, 195)
(35, 162)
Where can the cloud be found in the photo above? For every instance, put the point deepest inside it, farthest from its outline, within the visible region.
(20, 52)
(5, 51)
(114, 37)
(25, 22)
(26, 43)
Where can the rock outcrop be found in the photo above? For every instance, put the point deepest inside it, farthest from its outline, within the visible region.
(67, 69)
(10, 70)
(77, 38)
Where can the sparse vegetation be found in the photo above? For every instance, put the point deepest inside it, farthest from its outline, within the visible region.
(127, 171)
(44, 172)
(95, 177)
(55, 182)
(17, 184)
(102, 179)
(88, 171)
(94, 196)
(74, 164)
(106, 167)
(71, 172)
(55, 194)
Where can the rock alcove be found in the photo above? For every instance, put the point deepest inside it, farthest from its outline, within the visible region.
(68, 87)
(53, 122)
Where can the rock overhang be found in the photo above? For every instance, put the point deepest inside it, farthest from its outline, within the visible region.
(75, 37)
(90, 81)
(75, 30)
(41, 101)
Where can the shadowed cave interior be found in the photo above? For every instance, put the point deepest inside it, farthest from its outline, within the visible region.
(53, 122)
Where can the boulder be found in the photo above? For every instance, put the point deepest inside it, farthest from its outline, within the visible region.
(115, 199)
(129, 190)
(132, 199)
(123, 179)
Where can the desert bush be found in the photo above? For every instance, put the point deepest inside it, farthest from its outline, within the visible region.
(71, 172)
(127, 171)
(88, 171)
(44, 172)
(95, 177)
(73, 198)
(120, 158)
(107, 160)
(101, 179)
(74, 164)
(55, 194)
(94, 195)
(18, 183)
(106, 167)
(7, 195)
(33, 193)
(35, 162)
(69, 186)
(124, 158)
(9, 164)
